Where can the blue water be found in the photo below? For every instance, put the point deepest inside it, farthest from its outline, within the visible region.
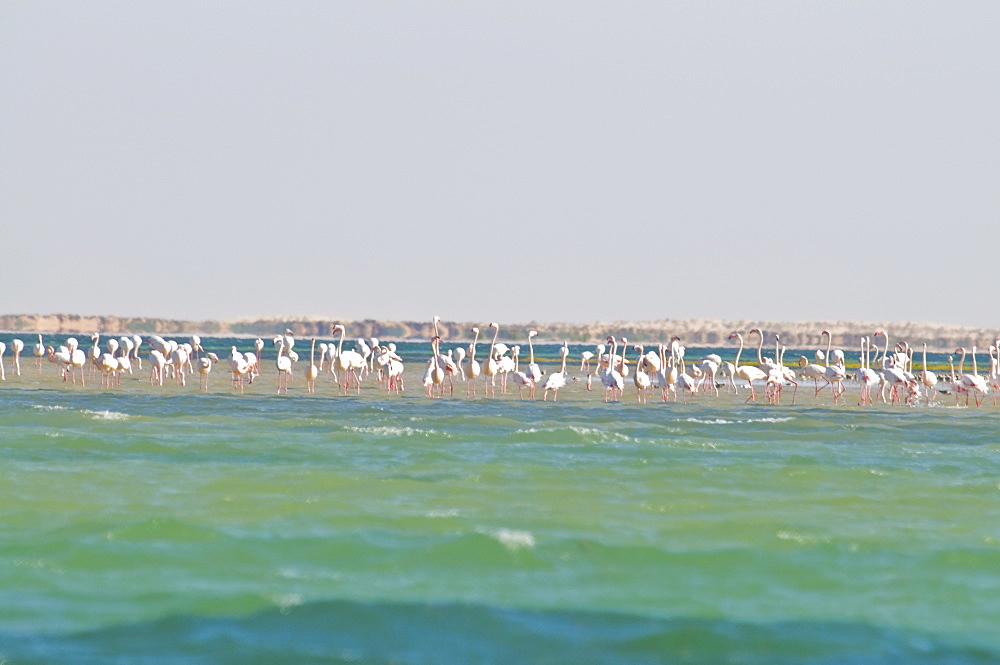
(148, 524)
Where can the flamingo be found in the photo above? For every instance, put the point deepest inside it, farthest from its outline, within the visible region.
(640, 378)
(240, 368)
(836, 373)
(60, 358)
(205, 368)
(124, 365)
(587, 356)
(445, 361)
(3, 350)
(108, 364)
(472, 369)
(748, 373)
(867, 377)
(929, 379)
(284, 365)
(137, 342)
(39, 354)
(778, 377)
(78, 359)
(671, 373)
(394, 371)
(995, 369)
(612, 379)
(157, 364)
(491, 367)
(95, 354)
(127, 347)
(709, 367)
(434, 376)
(349, 362)
(312, 371)
(556, 380)
(534, 371)
(460, 360)
(972, 383)
(687, 382)
(521, 378)
(17, 346)
(892, 376)
(178, 359)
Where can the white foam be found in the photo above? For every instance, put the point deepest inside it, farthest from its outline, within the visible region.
(800, 538)
(586, 432)
(44, 407)
(391, 430)
(513, 539)
(451, 512)
(107, 415)
(725, 421)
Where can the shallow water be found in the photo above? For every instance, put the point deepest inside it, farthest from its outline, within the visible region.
(146, 524)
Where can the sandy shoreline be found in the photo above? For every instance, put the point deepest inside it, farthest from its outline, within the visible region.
(694, 332)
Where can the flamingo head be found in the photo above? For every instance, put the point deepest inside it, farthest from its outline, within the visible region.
(475, 330)
(532, 333)
(494, 325)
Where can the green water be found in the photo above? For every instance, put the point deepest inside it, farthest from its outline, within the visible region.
(164, 525)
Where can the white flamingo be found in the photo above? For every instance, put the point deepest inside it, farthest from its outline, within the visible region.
(205, 368)
(614, 384)
(640, 378)
(312, 371)
(472, 369)
(867, 377)
(748, 373)
(490, 366)
(556, 380)
(348, 362)
(521, 378)
(972, 383)
(17, 346)
(534, 371)
(284, 365)
(929, 379)
(39, 354)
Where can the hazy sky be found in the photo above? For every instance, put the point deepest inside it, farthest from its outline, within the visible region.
(509, 161)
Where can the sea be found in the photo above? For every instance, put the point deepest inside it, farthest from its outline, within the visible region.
(162, 524)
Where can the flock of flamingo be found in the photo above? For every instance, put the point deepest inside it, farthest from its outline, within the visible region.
(662, 369)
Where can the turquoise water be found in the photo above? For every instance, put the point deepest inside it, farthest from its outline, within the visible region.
(163, 525)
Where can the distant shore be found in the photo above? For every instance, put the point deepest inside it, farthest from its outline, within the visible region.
(693, 332)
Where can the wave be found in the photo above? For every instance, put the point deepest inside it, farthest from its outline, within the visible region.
(107, 415)
(419, 633)
(732, 421)
(570, 434)
(394, 430)
(513, 539)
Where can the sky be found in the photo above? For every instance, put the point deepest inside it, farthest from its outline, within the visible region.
(567, 161)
